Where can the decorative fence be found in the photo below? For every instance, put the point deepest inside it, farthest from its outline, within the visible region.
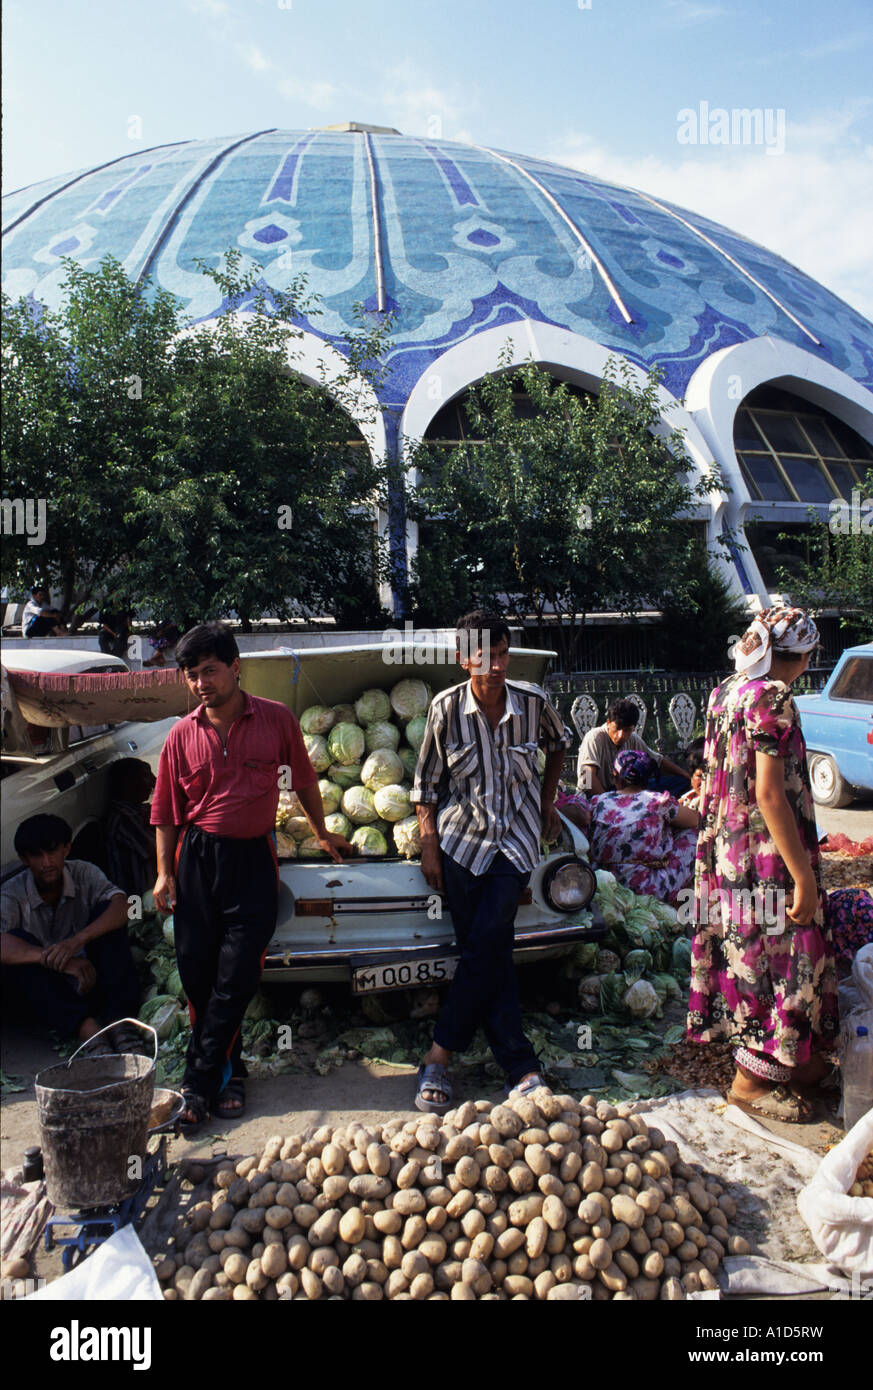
(672, 705)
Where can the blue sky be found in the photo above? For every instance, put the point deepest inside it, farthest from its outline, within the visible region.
(599, 85)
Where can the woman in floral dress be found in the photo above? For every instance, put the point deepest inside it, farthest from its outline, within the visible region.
(643, 837)
(762, 958)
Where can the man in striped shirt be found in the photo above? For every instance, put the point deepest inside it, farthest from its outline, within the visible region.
(481, 813)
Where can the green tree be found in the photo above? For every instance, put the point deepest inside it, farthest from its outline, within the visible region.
(835, 572)
(699, 617)
(262, 494)
(81, 390)
(189, 469)
(568, 510)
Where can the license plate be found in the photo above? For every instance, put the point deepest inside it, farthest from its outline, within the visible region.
(371, 979)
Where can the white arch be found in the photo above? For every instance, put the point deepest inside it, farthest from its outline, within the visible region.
(566, 355)
(720, 385)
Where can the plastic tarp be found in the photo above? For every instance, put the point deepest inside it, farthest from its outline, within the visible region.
(118, 1271)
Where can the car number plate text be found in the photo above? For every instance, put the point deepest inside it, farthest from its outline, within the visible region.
(370, 979)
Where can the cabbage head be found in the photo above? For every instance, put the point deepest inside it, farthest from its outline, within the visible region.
(409, 759)
(589, 993)
(345, 744)
(310, 849)
(382, 734)
(637, 963)
(344, 714)
(368, 840)
(348, 775)
(298, 828)
(168, 931)
(607, 962)
(164, 1014)
(640, 1000)
(372, 706)
(605, 879)
(415, 731)
(407, 837)
(286, 848)
(316, 747)
(392, 802)
(625, 897)
(358, 805)
(408, 699)
(331, 795)
(585, 955)
(381, 769)
(681, 956)
(318, 719)
(259, 1008)
(338, 824)
(670, 985)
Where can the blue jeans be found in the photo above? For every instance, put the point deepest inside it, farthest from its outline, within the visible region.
(485, 990)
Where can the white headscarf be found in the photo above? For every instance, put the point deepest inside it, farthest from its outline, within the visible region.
(787, 630)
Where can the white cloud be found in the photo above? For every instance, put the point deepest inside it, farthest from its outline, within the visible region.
(812, 205)
(319, 95)
(416, 107)
(255, 58)
(692, 11)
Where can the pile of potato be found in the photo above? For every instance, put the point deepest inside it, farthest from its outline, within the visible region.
(543, 1197)
(863, 1184)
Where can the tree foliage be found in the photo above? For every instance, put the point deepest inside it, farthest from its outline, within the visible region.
(189, 469)
(836, 570)
(569, 510)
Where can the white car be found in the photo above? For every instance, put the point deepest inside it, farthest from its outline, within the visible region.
(63, 770)
(372, 922)
(375, 922)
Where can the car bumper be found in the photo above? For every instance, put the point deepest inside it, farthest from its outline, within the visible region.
(335, 962)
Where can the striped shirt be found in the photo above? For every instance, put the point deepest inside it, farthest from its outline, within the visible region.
(484, 782)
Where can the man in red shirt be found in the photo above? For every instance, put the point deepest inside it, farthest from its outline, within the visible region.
(214, 810)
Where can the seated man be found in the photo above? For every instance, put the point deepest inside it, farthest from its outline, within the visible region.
(595, 769)
(64, 947)
(38, 619)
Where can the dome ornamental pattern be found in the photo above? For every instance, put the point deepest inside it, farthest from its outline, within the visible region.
(452, 238)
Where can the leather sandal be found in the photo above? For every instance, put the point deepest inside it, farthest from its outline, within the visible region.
(234, 1090)
(194, 1105)
(433, 1077)
(778, 1104)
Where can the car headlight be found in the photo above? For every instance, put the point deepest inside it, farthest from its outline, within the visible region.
(569, 884)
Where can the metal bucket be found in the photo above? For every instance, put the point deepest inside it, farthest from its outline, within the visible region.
(93, 1120)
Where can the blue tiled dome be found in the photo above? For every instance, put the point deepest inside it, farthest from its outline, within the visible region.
(453, 238)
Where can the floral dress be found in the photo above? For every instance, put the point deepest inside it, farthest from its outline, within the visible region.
(631, 835)
(756, 976)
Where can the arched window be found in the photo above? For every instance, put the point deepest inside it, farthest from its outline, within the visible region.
(791, 450)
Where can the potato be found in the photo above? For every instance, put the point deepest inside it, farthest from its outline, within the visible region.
(324, 1231)
(409, 1202)
(536, 1235)
(592, 1177)
(370, 1185)
(352, 1225)
(554, 1213)
(613, 1278)
(626, 1209)
(518, 1286)
(235, 1267)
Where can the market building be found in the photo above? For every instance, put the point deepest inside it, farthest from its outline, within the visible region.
(474, 251)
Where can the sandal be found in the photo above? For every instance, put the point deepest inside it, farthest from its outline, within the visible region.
(234, 1090)
(524, 1088)
(194, 1105)
(434, 1077)
(778, 1104)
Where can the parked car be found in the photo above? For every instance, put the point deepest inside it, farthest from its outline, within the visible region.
(64, 771)
(375, 922)
(838, 728)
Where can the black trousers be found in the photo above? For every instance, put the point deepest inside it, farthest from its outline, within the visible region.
(52, 999)
(227, 897)
(484, 989)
